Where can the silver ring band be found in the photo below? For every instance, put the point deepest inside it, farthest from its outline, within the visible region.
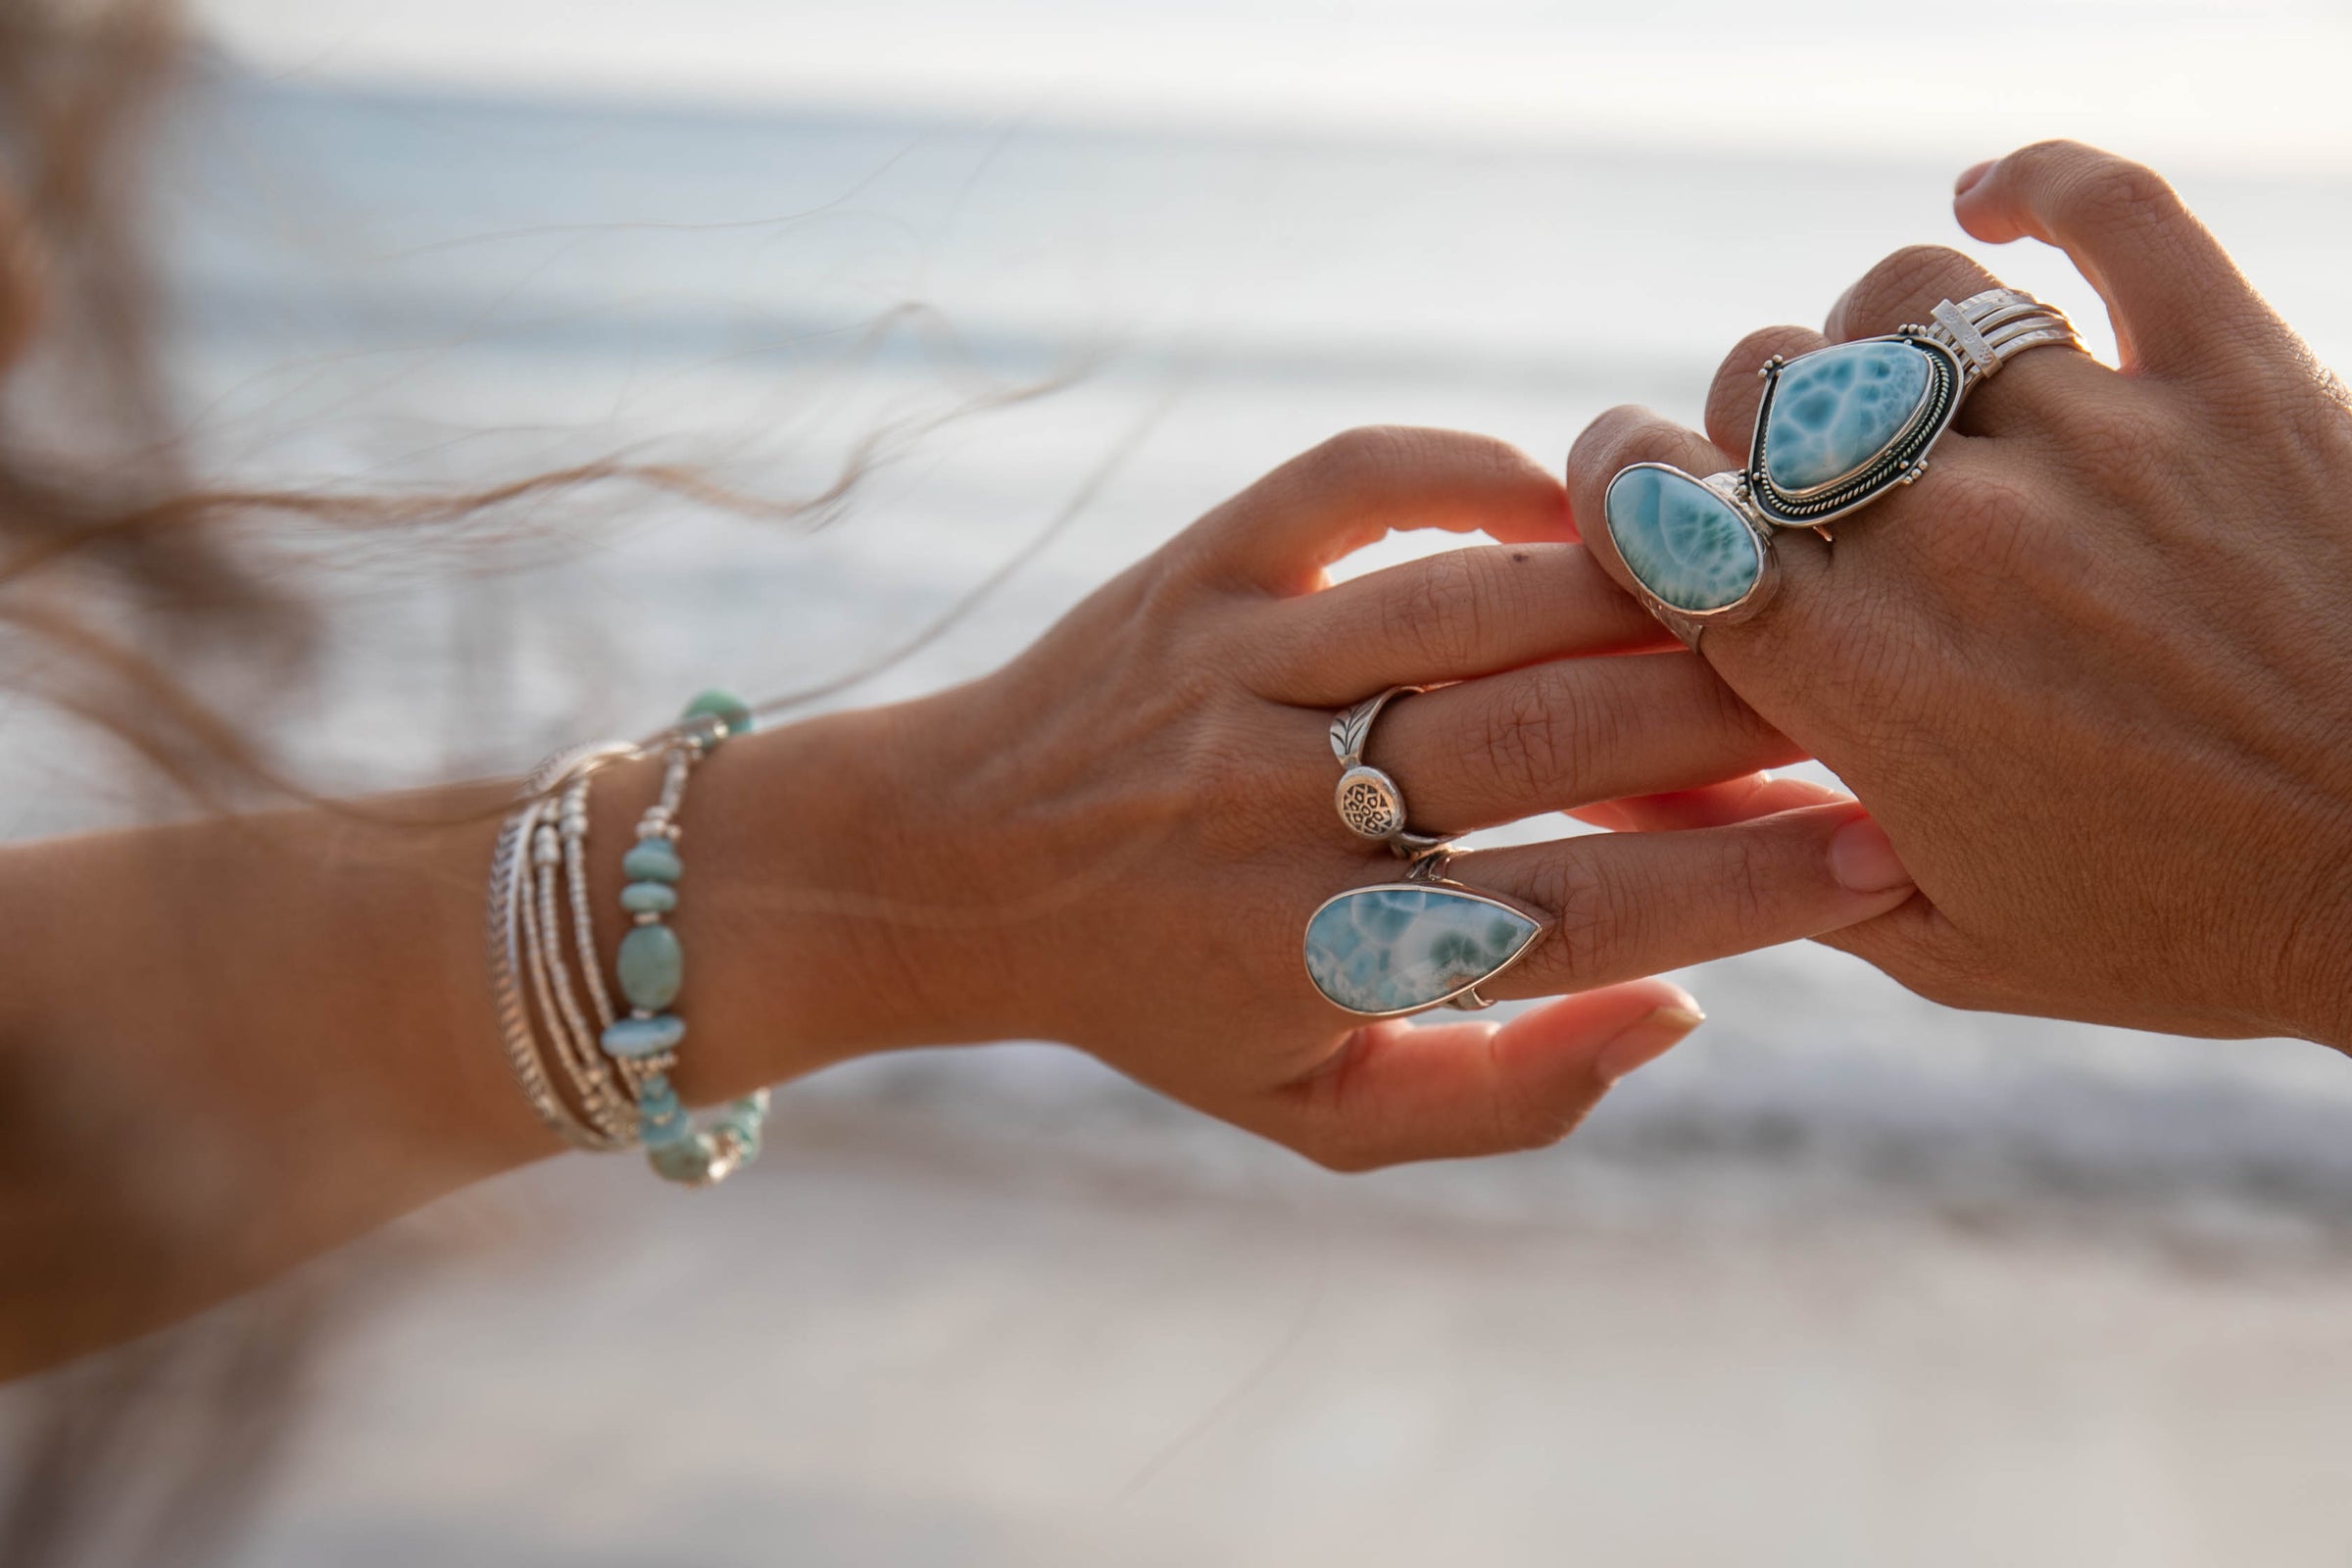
(1370, 802)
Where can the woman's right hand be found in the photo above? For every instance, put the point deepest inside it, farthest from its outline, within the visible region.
(1116, 840)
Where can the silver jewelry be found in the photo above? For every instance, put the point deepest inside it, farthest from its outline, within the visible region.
(1838, 429)
(1370, 802)
(616, 1063)
(518, 947)
(1425, 941)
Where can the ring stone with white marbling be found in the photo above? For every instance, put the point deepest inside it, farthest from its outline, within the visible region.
(1401, 946)
(1835, 411)
(1683, 541)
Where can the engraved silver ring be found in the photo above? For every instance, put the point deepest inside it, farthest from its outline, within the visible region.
(1370, 802)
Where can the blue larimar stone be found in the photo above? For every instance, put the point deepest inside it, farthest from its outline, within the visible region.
(1838, 407)
(1402, 945)
(649, 898)
(651, 860)
(651, 966)
(1681, 540)
(643, 1037)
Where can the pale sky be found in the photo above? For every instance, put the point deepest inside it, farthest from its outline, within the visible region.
(2242, 83)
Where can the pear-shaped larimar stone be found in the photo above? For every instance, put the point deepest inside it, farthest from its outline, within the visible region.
(1685, 542)
(1402, 945)
(1835, 409)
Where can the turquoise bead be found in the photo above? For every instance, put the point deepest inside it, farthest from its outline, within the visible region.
(728, 709)
(1835, 409)
(643, 1037)
(651, 966)
(1402, 945)
(1682, 541)
(649, 898)
(674, 1126)
(651, 860)
(687, 1161)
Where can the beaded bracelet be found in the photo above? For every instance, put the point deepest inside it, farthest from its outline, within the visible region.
(619, 1068)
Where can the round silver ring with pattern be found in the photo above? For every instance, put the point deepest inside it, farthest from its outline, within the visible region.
(1371, 804)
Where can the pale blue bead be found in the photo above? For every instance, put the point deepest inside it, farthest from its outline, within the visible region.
(1835, 409)
(1402, 945)
(651, 860)
(649, 898)
(1685, 542)
(685, 1159)
(652, 967)
(643, 1037)
(672, 1128)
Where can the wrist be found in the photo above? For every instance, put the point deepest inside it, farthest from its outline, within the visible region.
(804, 913)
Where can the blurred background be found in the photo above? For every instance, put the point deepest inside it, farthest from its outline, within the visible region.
(1846, 1280)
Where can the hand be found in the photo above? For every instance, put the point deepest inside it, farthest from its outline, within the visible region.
(2090, 671)
(1116, 841)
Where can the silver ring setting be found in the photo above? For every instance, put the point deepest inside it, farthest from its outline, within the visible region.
(1836, 430)
(1371, 804)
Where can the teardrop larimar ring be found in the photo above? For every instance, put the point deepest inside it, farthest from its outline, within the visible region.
(1371, 806)
(1425, 942)
(1838, 429)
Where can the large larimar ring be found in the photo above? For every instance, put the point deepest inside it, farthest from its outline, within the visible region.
(1370, 804)
(1404, 947)
(1837, 429)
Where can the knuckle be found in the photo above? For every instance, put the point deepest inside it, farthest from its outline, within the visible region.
(1897, 284)
(1439, 614)
(1357, 457)
(2111, 439)
(1535, 730)
(1611, 441)
(1586, 929)
(2105, 191)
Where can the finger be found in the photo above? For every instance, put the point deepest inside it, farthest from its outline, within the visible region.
(1737, 800)
(1447, 617)
(1739, 387)
(1399, 1092)
(1904, 290)
(2178, 304)
(1562, 734)
(1279, 534)
(1788, 628)
(1625, 904)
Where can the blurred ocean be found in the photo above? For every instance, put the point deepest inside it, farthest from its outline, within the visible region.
(1848, 1278)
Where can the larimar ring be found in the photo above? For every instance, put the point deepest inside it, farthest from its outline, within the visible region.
(1837, 429)
(1371, 804)
(1425, 942)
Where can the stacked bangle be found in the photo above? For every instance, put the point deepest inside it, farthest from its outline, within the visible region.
(616, 1059)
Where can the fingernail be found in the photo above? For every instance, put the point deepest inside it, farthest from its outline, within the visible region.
(1863, 860)
(1969, 178)
(1645, 1040)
